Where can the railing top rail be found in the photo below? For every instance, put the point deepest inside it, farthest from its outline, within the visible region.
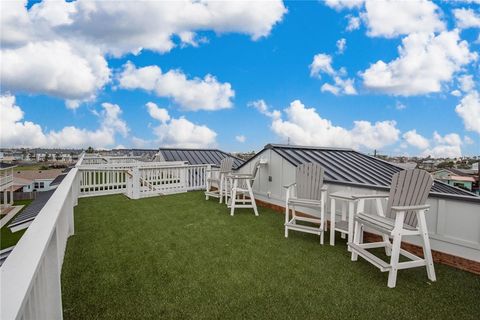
(19, 270)
(119, 166)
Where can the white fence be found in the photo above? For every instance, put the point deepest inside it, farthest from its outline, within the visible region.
(139, 180)
(6, 178)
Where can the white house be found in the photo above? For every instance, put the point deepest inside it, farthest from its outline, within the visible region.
(36, 180)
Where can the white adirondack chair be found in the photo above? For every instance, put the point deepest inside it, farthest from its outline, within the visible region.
(218, 177)
(241, 186)
(307, 191)
(405, 216)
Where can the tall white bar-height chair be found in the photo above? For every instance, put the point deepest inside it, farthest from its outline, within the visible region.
(405, 216)
(307, 191)
(218, 177)
(241, 186)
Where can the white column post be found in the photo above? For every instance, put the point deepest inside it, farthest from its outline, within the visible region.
(135, 183)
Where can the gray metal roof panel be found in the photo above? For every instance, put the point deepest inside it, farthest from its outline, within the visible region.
(198, 156)
(58, 180)
(4, 165)
(346, 166)
(32, 210)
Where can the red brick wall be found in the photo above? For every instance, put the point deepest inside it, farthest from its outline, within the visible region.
(438, 257)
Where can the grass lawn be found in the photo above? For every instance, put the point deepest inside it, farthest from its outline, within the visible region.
(7, 237)
(30, 167)
(181, 257)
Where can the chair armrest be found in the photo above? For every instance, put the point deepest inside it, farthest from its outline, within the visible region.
(407, 208)
(287, 186)
(370, 196)
(240, 176)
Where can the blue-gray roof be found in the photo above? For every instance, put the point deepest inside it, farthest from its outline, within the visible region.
(4, 165)
(32, 210)
(198, 156)
(350, 167)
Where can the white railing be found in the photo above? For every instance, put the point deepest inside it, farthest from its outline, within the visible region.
(197, 177)
(96, 182)
(30, 276)
(89, 160)
(139, 180)
(6, 180)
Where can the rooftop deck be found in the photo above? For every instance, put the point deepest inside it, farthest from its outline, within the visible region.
(180, 256)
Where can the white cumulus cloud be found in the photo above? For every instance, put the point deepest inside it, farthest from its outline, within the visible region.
(416, 140)
(241, 138)
(69, 40)
(179, 132)
(322, 63)
(467, 18)
(425, 62)
(304, 126)
(17, 132)
(189, 94)
(448, 146)
(55, 68)
(391, 18)
(469, 110)
(341, 45)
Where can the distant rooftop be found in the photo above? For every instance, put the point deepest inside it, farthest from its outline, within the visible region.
(198, 156)
(32, 210)
(4, 165)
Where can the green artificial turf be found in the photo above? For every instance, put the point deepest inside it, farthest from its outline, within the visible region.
(7, 237)
(181, 257)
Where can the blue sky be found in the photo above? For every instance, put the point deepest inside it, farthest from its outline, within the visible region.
(268, 64)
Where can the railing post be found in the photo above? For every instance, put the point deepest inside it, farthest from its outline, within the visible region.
(135, 183)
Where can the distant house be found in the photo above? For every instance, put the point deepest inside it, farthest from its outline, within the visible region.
(457, 178)
(197, 156)
(35, 180)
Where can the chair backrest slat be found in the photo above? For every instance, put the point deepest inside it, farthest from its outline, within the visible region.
(226, 165)
(309, 179)
(255, 167)
(409, 188)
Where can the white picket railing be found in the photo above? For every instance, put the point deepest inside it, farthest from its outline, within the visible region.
(96, 182)
(139, 180)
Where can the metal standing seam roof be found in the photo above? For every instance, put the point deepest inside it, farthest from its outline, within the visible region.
(58, 180)
(346, 166)
(198, 156)
(32, 210)
(4, 165)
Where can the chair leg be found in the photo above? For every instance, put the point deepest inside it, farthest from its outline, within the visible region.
(427, 252)
(332, 222)
(287, 217)
(322, 222)
(392, 274)
(356, 239)
(252, 198)
(220, 191)
(233, 200)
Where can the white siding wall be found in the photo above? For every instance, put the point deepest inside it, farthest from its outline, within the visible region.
(454, 225)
